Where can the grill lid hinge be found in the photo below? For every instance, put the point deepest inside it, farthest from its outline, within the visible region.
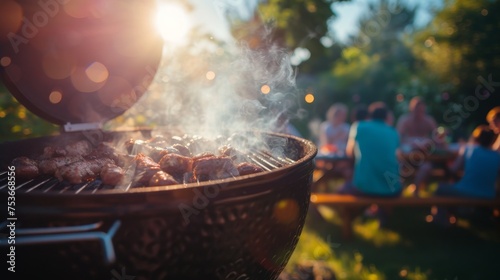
(70, 127)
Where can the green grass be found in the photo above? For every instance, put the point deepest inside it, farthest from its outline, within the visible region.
(408, 248)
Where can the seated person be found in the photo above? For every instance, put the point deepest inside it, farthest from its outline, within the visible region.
(481, 166)
(416, 129)
(416, 126)
(493, 119)
(334, 131)
(374, 146)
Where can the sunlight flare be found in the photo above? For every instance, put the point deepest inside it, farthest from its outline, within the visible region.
(173, 23)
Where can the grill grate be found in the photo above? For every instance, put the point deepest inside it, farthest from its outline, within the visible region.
(49, 184)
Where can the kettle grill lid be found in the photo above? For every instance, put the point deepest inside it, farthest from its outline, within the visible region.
(79, 67)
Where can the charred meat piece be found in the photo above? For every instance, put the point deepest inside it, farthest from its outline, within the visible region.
(108, 151)
(157, 153)
(158, 140)
(161, 178)
(214, 168)
(26, 168)
(199, 145)
(175, 164)
(50, 166)
(145, 148)
(145, 168)
(112, 174)
(79, 148)
(229, 151)
(81, 171)
(203, 155)
(183, 150)
(49, 152)
(246, 168)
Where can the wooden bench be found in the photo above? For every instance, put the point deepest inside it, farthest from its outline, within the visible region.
(350, 205)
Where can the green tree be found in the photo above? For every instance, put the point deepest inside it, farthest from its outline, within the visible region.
(459, 49)
(375, 63)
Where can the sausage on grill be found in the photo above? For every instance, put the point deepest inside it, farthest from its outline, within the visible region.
(26, 168)
(50, 166)
(213, 168)
(112, 174)
(161, 178)
(81, 171)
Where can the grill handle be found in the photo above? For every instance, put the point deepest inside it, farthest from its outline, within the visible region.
(33, 236)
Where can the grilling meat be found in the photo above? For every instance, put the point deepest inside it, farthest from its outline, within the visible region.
(50, 152)
(112, 174)
(145, 148)
(156, 162)
(246, 168)
(213, 168)
(145, 168)
(161, 178)
(79, 148)
(175, 164)
(26, 168)
(50, 166)
(183, 150)
(81, 171)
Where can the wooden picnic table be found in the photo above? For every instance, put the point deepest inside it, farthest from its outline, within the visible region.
(328, 164)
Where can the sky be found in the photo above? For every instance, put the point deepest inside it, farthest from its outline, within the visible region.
(209, 14)
(348, 14)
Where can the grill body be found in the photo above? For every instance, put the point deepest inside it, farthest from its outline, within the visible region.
(243, 228)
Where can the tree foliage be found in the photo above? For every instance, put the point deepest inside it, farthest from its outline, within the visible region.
(460, 48)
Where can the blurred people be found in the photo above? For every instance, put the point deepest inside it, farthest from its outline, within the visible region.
(493, 119)
(359, 113)
(389, 120)
(334, 131)
(416, 126)
(416, 130)
(374, 146)
(480, 165)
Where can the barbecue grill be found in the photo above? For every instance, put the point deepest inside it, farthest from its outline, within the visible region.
(244, 227)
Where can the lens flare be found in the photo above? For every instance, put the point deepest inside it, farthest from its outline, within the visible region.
(309, 98)
(173, 22)
(265, 89)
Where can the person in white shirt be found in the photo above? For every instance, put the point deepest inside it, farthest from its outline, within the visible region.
(334, 132)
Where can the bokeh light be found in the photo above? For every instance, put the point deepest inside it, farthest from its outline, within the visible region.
(55, 97)
(286, 211)
(11, 14)
(5, 61)
(210, 75)
(82, 82)
(97, 72)
(400, 97)
(429, 218)
(265, 89)
(309, 98)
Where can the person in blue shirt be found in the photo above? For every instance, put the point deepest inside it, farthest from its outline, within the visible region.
(480, 165)
(374, 146)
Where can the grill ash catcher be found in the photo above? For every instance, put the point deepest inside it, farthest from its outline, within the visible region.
(78, 67)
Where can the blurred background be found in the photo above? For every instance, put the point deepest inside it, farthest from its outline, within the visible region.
(354, 52)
